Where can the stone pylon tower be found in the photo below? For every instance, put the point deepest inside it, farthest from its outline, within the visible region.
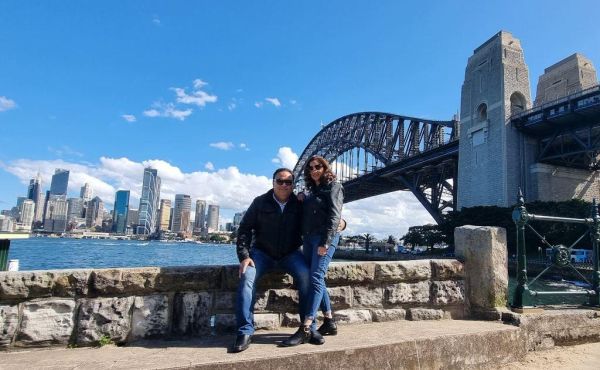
(493, 156)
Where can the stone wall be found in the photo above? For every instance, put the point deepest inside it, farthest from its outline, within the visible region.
(82, 307)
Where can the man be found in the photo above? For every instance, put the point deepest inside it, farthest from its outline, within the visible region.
(274, 219)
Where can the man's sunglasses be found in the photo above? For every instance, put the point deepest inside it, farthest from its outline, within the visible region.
(316, 167)
(283, 182)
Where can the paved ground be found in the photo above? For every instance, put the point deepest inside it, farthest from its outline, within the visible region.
(580, 357)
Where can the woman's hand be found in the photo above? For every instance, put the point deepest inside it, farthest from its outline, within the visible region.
(322, 250)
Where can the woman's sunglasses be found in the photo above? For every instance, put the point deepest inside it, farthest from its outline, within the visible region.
(316, 167)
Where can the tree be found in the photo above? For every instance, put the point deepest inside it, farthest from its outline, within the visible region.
(391, 240)
(427, 235)
(368, 238)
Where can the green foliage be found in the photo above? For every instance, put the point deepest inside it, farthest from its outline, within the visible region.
(368, 238)
(391, 240)
(105, 340)
(427, 235)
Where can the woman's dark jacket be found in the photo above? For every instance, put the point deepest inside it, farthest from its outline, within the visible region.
(322, 211)
(276, 233)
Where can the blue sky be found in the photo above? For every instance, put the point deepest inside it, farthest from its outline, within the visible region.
(104, 88)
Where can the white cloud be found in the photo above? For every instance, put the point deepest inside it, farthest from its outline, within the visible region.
(209, 166)
(6, 103)
(64, 150)
(167, 110)
(286, 157)
(274, 101)
(198, 83)
(128, 117)
(244, 147)
(152, 113)
(156, 20)
(223, 145)
(231, 106)
(197, 97)
(258, 104)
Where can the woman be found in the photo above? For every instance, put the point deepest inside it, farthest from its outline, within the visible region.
(322, 209)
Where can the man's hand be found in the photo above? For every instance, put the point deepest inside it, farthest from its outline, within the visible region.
(322, 250)
(244, 264)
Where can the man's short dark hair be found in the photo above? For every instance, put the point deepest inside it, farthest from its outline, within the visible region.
(283, 169)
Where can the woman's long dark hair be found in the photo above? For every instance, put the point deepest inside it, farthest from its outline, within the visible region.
(327, 176)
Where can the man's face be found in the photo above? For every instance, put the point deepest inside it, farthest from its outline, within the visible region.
(282, 185)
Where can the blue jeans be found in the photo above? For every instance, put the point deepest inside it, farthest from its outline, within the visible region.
(318, 269)
(293, 264)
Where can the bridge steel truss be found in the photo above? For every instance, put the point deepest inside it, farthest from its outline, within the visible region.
(409, 153)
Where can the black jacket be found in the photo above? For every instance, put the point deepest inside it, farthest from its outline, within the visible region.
(323, 210)
(276, 233)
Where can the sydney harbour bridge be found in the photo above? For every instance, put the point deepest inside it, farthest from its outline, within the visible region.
(374, 153)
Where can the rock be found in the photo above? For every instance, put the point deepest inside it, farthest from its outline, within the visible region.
(283, 300)
(276, 280)
(268, 321)
(190, 278)
(447, 269)
(225, 323)
(261, 300)
(150, 317)
(448, 292)
(408, 293)
(486, 274)
(352, 316)
(33, 284)
(9, 320)
(225, 301)
(124, 281)
(390, 314)
(192, 313)
(341, 297)
(104, 318)
(45, 322)
(71, 283)
(403, 271)
(350, 273)
(416, 314)
(368, 296)
(290, 320)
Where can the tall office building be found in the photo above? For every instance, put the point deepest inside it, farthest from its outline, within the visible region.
(133, 218)
(237, 219)
(34, 192)
(55, 219)
(60, 182)
(120, 211)
(27, 212)
(6, 223)
(148, 210)
(164, 215)
(86, 192)
(200, 218)
(74, 208)
(181, 213)
(94, 213)
(212, 219)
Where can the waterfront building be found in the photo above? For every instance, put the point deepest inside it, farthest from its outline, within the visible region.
(212, 219)
(133, 219)
(55, 219)
(94, 213)
(237, 219)
(60, 182)
(27, 213)
(164, 215)
(86, 192)
(119, 217)
(6, 223)
(34, 192)
(74, 208)
(200, 217)
(149, 201)
(181, 213)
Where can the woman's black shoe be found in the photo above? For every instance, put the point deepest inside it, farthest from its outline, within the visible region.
(329, 327)
(242, 342)
(301, 336)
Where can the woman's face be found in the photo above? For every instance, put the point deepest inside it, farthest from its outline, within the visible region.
(316, 171)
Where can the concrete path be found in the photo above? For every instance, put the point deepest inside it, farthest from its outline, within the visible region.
(405, 344)
(580, 357)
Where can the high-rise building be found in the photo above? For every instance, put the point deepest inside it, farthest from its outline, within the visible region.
(60, 182)
(133, 218)
(120, 209)
(27, 212)
(200, 218)
(55, 219)
(94, 213)
(212, 219)
(164, 214)
(74, 208)
(86, 193)
(6, 223)
(34, 192)
(181, 213)
(148, 210)
(237, 219)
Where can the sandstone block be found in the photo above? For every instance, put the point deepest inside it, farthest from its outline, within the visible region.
(48, 321)
(71, 283)
(33, 284)
(341, 297)
(104, 317)
(447, 269)
(190, 278)
(283, 300)
(150, 317)
(225, 301)
(368, 296)
(390, 314)
(225, 323)
(416, 314)
(120, 281)
(349, 273)
(192, 313)
(448, 292)
(408, 293)
(9, 320)
(261, 300)
(353, 316)
(268, 321)
(403, 271)
(290, 320)
(276, 280)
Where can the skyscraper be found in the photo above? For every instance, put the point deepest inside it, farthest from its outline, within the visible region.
(74, 208)
(148, 209)
(181, 213)
(34, 192)
(55, 219)
(94, 213)
(60, 182)
(120, 211)
(27, 212)
(200, 219)
(237, 219)
(86, 192)
(164, 214)
(133, 218)
(212, 223)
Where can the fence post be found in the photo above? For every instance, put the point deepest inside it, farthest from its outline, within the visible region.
(522, 297)
(595, 234)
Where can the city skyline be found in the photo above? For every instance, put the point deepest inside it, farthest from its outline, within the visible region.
(216, 97)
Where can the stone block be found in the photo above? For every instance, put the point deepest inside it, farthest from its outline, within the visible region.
(368, 296)
(9, 320)
(416, 314)
(261, 300)
(353, 316)
(124, 281)
(45, 322)
(448, 292)
(190, 278)
(230, 277)
(225, 301)
(447, 269)
(104, 318)
(341, 297)
(71, 283)
(403, 271)
(225, 323)
(404, 293)
(267, 321)
(192, 313)
(290, 320)
(390, 314)
(350, 273)
(150, 317)
(484, 252)
(276, 280)
(283, 300)
(20, 285)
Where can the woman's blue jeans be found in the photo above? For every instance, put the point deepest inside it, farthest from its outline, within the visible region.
(318, 269)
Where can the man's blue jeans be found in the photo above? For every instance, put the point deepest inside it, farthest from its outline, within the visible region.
(293, 264)
(318, 269)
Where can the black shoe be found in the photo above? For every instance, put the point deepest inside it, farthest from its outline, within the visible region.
(329, 327)
(316, 337)
(301, 336)
(242, 342)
